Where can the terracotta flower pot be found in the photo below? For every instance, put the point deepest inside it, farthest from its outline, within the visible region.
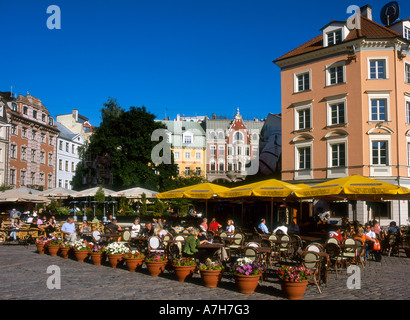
(53, 249)
(133, 263)
(81, 255)
(211, 278)
(155, 268)
(246, 284)
(40, 248)
(115, 259)
(183, 272)
(96, 258)
(294, 290)
(65, 252)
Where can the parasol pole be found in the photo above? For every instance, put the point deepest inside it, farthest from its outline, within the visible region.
(271, 213)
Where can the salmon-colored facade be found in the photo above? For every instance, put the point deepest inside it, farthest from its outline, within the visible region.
(346, 105)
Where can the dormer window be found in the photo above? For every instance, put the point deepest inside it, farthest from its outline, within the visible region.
(407, 33)
(334, 37)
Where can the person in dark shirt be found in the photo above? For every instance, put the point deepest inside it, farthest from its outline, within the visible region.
(148, 231)
(114, 226)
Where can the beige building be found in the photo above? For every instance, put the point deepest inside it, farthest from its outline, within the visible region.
(76, 123)
(346, 110)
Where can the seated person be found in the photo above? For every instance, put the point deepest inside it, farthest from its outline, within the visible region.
(214, 225)
(148, 231)
(85, 228)
(114, 226)
(230, 228)
(262, 227)
(335, 233)
(69, 231)
(136, 228)
(49, 227)
(393, 228)
(190, 249)
(281, 228)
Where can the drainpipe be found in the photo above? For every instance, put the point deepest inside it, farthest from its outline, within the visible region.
(397, 125)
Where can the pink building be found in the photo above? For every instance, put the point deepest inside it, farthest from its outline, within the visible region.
(346, 110)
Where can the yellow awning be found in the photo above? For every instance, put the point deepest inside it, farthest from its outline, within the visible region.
(352, 185)
(269, 189)
(198, 191)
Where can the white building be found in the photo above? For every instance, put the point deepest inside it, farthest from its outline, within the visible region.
(67, 155)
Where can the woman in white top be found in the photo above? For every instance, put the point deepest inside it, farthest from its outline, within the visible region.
(230, 228)
(136, 228)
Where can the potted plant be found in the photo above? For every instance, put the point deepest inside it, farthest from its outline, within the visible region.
(211, 273)
(81, 250)
(96, 253)
(115, 252)
(133, 259)
(65, 248)
(53, 246)
(183, 268)
(246, 274)
(294, 280)
(155, 263)
(40, 243)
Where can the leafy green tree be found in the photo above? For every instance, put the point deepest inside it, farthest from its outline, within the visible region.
(99, 195)
(125, 136)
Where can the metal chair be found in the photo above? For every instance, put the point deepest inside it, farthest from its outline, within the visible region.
(285, 246)
(311, 260)
(155, 244)
(316, 247)
(237, 243)
(350, 254)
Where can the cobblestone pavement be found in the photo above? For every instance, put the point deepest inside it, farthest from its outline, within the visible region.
(23, 276)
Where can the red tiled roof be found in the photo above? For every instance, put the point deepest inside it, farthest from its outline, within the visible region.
(369, 29)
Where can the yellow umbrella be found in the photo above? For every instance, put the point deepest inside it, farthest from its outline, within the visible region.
(198, 191)
(351, 186)
(269, 189)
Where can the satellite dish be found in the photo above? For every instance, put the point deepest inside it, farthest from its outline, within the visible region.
(390, 13)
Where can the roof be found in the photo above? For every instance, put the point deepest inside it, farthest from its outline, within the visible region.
(64, 132)
(368, 29)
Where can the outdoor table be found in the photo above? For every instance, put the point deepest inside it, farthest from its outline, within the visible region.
(228, 239)
(311, 238)
(140, 242)
(110, 236)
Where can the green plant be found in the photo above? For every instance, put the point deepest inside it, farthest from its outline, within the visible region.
(134, 254)
(184, 262)
(55, 241)
(156, 256)
(211, 265)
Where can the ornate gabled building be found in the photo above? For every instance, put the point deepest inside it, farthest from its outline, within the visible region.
(32, 143)
(232, 148)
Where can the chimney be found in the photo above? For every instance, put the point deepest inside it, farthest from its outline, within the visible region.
(366, 11)
(75, 114)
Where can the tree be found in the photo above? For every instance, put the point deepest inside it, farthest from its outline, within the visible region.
(99, 195)
(125, 136)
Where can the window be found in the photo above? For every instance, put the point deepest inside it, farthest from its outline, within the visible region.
(33, 135)
(188, 138)
(335, 75)
(66, 166)
(60, 145)
(34, 114)
(198, 155)
(338, 155)
(33, 155)
(72, 149)
(66, 184)
(221, 150)
(337, 113)
(221, 166)
(50, 159)
(176, 155)
(378, 69)
(43, 117)
(43, 138)
(381, 209)
(12, 176)
(50, 139)
(378, 109)
(23, 178)
(237, 136)
(334, 37)
(302, 81)
(187, 170)
(42, 157)
(60, 183)
(72, 167)
(14, 106)
(50, 121)
(408, 112)
(25, 110)
(14, 129)
(49, 181)
(407, 33)
(33, 178)
(23, 153)
(303, 120)
(13, 151)
(24, 132)
(67, 147)
(213, 150)
(187, 155)
(41, 180)
(198, 171)
(304, 158)
(60, 165)
(407, 73)
(379, 153)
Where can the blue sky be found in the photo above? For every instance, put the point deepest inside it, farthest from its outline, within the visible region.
(189, 57)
